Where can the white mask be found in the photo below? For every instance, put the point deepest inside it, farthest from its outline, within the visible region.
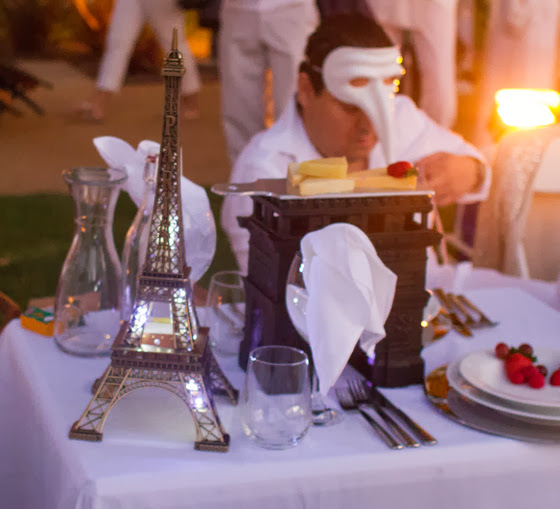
(375, 98)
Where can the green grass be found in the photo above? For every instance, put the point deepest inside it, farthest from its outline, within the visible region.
(36, 232)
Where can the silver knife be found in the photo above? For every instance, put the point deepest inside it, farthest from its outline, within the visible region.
(458, 324)
(459, 306)
(419, 431)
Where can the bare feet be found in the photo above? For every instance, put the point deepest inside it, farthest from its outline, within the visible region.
(190, 106)
(85, 111)
(94, 110)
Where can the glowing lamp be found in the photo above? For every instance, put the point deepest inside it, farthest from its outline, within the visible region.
(520, 108)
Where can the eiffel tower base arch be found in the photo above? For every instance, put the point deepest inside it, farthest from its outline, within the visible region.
(193, 388)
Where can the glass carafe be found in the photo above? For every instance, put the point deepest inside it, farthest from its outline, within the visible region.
(88, 292)
(134, 250)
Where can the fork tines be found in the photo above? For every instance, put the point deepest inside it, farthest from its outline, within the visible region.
(347, 402)
(361, 396)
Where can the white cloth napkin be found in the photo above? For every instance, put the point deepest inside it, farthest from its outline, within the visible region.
(350, 294)
(198, 221)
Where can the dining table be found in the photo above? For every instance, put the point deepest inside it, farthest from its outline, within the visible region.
(147, 457)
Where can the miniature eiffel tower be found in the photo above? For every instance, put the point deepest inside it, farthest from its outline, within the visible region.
(163, 345)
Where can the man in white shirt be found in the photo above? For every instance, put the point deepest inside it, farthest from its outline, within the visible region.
(256, 35)
(319, 125)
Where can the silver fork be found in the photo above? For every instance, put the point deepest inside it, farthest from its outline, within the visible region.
(458, 324)
(347, 403)
(361, 396)
(460, 307)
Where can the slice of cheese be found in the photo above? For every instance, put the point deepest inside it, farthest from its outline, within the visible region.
(294, 176)
(378, 179)
(329, 167)
(312, 186)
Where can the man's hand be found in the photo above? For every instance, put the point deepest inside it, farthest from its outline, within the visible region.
(449, 175)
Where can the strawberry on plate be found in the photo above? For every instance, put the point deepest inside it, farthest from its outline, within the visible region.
(555, 378)
(515, 364)
(401, 169)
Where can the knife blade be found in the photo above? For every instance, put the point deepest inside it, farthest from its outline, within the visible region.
(419, 431)
(457, 323)
(464, 312)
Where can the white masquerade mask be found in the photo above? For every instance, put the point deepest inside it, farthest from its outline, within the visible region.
(374, 98)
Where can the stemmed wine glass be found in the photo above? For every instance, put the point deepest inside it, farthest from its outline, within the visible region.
(296, 304)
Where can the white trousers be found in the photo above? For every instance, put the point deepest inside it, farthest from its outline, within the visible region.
(250, 42)
(433, 26)
(127, 19)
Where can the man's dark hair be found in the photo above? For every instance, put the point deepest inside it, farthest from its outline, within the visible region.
(355, 30)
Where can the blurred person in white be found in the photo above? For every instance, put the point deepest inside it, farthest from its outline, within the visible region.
(127, 19)
(466, 39)
(521, 51)
(316, 124)
(256, 35)
(432, 25)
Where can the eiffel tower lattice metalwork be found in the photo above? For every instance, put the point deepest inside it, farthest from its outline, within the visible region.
(163, 345)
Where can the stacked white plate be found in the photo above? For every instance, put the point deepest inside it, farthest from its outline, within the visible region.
(480, 378)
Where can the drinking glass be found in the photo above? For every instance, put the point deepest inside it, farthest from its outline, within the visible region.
(226, 311)
(276, 403)
(296, 303)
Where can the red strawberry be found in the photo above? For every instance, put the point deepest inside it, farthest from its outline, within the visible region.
(515, 363)
(542, 370)
(399, 169)
(536, 381)
(555, 378)
(517, 360)
(501, 350)
(529, 371)
(516, 377)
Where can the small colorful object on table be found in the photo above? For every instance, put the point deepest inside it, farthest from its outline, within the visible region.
(38, 320)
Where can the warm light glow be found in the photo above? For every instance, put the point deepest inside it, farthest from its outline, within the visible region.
(527, 108)
(197, 398)
(180, 297)
(424, 323)
(172, 230)
(139, 319)
(88, 17)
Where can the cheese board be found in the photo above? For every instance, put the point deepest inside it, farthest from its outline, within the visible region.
(279, 188)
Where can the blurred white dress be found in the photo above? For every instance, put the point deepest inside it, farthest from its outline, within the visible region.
(433, 27)
(256, 35)
(127, 19)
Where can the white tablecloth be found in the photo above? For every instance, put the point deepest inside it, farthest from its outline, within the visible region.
(147, 459)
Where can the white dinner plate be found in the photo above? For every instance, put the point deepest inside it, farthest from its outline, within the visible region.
(485, 419)
(486, 372)
(549, 416)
